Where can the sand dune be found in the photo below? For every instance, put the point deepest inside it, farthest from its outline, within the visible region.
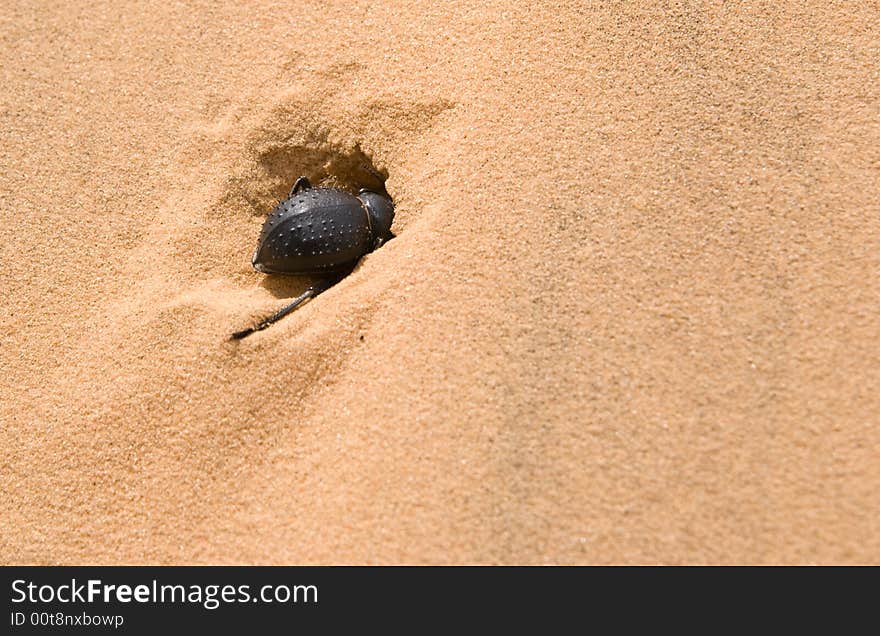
(630, 315)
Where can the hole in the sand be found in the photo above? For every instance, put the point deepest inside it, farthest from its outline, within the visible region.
(279, 164)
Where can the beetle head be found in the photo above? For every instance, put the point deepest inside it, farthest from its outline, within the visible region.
(381, 211)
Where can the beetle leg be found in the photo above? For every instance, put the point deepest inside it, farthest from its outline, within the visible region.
(301, 184)
(311, 292)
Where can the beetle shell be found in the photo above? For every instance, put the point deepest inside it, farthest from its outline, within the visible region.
(315, 230)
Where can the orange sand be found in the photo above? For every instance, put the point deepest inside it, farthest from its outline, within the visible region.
(632, 314)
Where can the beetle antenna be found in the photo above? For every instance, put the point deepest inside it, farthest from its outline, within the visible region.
(373, 172)
(311, 292)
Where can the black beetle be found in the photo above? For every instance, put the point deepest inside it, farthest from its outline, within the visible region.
(319, 231)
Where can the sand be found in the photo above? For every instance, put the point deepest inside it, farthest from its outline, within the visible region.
(631, 314)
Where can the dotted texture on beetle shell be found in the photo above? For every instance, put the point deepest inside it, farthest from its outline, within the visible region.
(316, 230)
